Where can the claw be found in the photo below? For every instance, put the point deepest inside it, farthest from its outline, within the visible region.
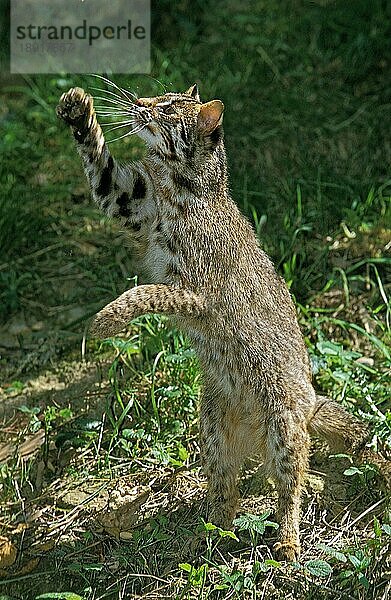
(287, 551)
(74, 105)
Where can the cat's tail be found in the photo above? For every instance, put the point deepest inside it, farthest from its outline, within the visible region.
(340, 429)
(344, 432)
(143, 299)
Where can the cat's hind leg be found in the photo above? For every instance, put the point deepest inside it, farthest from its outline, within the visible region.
(225, 441)
(287, 452)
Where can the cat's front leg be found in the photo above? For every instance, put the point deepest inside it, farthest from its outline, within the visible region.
(143, 299)
(76, 108)
(125, 192)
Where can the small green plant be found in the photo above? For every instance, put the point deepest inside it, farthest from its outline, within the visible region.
(157, 528)
(214, 535)
(255, 524)
(318, 568)
(34, 423)
(363, 474)
(53, 418)
(357, 562)
(244, 580)
(196, 575)
(155, 364)
(14, 386)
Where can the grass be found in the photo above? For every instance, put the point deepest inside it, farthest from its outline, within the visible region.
(100, 485)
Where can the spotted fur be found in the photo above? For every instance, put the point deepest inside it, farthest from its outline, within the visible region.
(207, 271)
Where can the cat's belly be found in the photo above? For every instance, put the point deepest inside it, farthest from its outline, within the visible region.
(221, 367)
(246, 381)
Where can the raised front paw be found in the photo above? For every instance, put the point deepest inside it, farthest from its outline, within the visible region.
(106, 323)
(75, 108)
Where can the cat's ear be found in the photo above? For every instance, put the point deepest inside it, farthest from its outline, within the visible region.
(210, 116)
(193, 92)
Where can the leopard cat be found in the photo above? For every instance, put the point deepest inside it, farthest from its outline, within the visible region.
(207, 271)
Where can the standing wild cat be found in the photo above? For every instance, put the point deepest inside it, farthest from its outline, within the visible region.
(208, 272)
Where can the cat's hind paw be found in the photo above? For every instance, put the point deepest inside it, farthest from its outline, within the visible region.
(287, 551)
(75, 107)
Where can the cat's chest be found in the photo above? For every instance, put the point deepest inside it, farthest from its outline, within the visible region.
(164, 255)
(175, 192)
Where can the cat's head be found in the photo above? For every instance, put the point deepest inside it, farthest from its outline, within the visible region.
(178, 126)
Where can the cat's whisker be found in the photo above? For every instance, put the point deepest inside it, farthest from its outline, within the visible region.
(129, 93)
(118, 125)
(163, 85)
(136, 129)
(107, 113)
(124, 92)
(114, 104)
(117, 114)
(122, 97)
(115, 99)
(113, 95)
(100, 89)
(117, 103)
(131, 132)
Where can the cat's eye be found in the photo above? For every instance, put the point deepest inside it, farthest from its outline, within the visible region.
(167, 108)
